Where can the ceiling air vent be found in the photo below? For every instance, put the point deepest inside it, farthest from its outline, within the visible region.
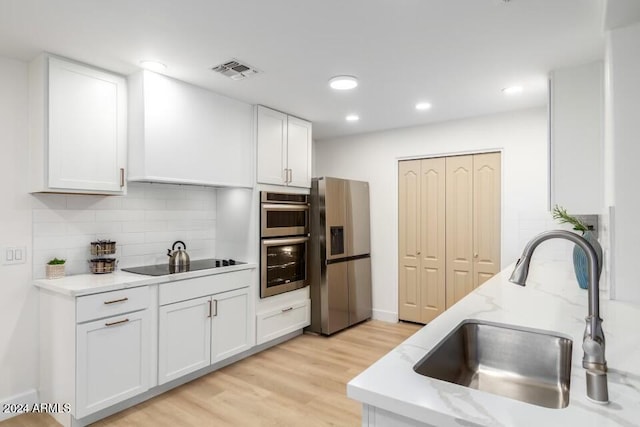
(235, 70)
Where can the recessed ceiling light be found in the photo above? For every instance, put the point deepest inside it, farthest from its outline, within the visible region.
(512, 90)
(352, 118)
(343, 82)
(423, 106)
(153, 65)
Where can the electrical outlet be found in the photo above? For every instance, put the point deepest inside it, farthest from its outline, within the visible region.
(14, 255)
(589, 220)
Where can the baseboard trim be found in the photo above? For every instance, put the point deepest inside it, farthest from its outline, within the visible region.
(29, 396)
(385, 316)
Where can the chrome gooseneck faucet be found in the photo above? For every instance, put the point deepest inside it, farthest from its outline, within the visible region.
(593, 340)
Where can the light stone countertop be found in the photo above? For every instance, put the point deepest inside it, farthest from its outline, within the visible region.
(551, 301)
(87, 284)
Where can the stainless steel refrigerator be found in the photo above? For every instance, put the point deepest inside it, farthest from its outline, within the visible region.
(340, 259)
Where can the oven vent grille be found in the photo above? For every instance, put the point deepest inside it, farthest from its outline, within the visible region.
(235, 70)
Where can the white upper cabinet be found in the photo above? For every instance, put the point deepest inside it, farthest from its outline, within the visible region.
(78, 128)
(181, 133)
(577, 138)
(299, 152)
(272, 146)
(284, 149)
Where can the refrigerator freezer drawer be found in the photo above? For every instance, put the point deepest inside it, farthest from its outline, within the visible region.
(359, 290)
(346, 295)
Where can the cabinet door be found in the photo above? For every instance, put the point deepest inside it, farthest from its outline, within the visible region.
(112, 361)
(299, 152)
(184, 342)
(87, 128)
(486, 217)
(186, 134)
(272, 146)
(577, 138)
(409, 240)
(230, 324)
(459, 227)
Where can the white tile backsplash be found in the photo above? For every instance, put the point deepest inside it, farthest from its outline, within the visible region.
(144, 223)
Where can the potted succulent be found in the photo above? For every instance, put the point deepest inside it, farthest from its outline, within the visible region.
(55, 268)
(579, 257)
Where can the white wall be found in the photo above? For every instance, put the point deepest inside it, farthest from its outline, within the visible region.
(18, 298)
(522, 137)
(623, 93)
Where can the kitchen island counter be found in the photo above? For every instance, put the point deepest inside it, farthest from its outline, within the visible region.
(393, 394)
(87, 284)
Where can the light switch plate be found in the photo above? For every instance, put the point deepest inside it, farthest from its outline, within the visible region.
(14, 255)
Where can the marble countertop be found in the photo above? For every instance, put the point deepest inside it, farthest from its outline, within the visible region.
(551, 301)
(87, 284)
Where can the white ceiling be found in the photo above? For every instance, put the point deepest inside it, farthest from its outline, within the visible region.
(456, 54)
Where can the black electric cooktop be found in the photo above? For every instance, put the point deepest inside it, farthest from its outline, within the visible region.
(164, 269)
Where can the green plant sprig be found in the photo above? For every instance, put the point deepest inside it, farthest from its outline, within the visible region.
(57, 261)
(563, 217)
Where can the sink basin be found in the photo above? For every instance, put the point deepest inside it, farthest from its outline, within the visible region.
(527, 365)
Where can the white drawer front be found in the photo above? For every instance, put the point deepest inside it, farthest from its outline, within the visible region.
(289, 318)
(112, 303)
(182, 290)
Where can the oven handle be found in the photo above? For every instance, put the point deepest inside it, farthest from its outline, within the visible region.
(284, 207)
(287, 241)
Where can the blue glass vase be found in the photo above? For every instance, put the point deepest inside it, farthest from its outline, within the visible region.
(580, 259)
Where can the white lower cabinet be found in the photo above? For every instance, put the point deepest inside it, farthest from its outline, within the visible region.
(102, 349)
(282, 320)
(230, 332)
(202, 331)
(112, 361)
(96, 350)
(185, 338)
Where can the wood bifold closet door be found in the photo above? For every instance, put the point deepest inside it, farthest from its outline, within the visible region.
(449, 231)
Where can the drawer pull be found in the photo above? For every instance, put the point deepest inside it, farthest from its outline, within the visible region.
(117, 300)
(116, 323)
(284, 310)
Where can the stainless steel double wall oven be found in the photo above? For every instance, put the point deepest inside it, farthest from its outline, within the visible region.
(284, 237)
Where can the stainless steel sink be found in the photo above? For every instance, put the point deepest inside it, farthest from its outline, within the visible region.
(530, 366)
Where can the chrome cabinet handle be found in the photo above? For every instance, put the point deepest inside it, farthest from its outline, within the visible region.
(121, 177)
(215, 307)
(209, 302)
(116, 323)
(116, 300)
(284, 310)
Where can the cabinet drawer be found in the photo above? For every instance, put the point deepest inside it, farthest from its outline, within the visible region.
(111, 303)
(182, 290)
(281, 321)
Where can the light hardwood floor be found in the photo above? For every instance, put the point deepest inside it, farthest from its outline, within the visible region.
(300, 382)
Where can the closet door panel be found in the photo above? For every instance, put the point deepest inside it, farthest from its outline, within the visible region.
(432, 238)
(486, 217)
(459, 226)
(408, 240)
